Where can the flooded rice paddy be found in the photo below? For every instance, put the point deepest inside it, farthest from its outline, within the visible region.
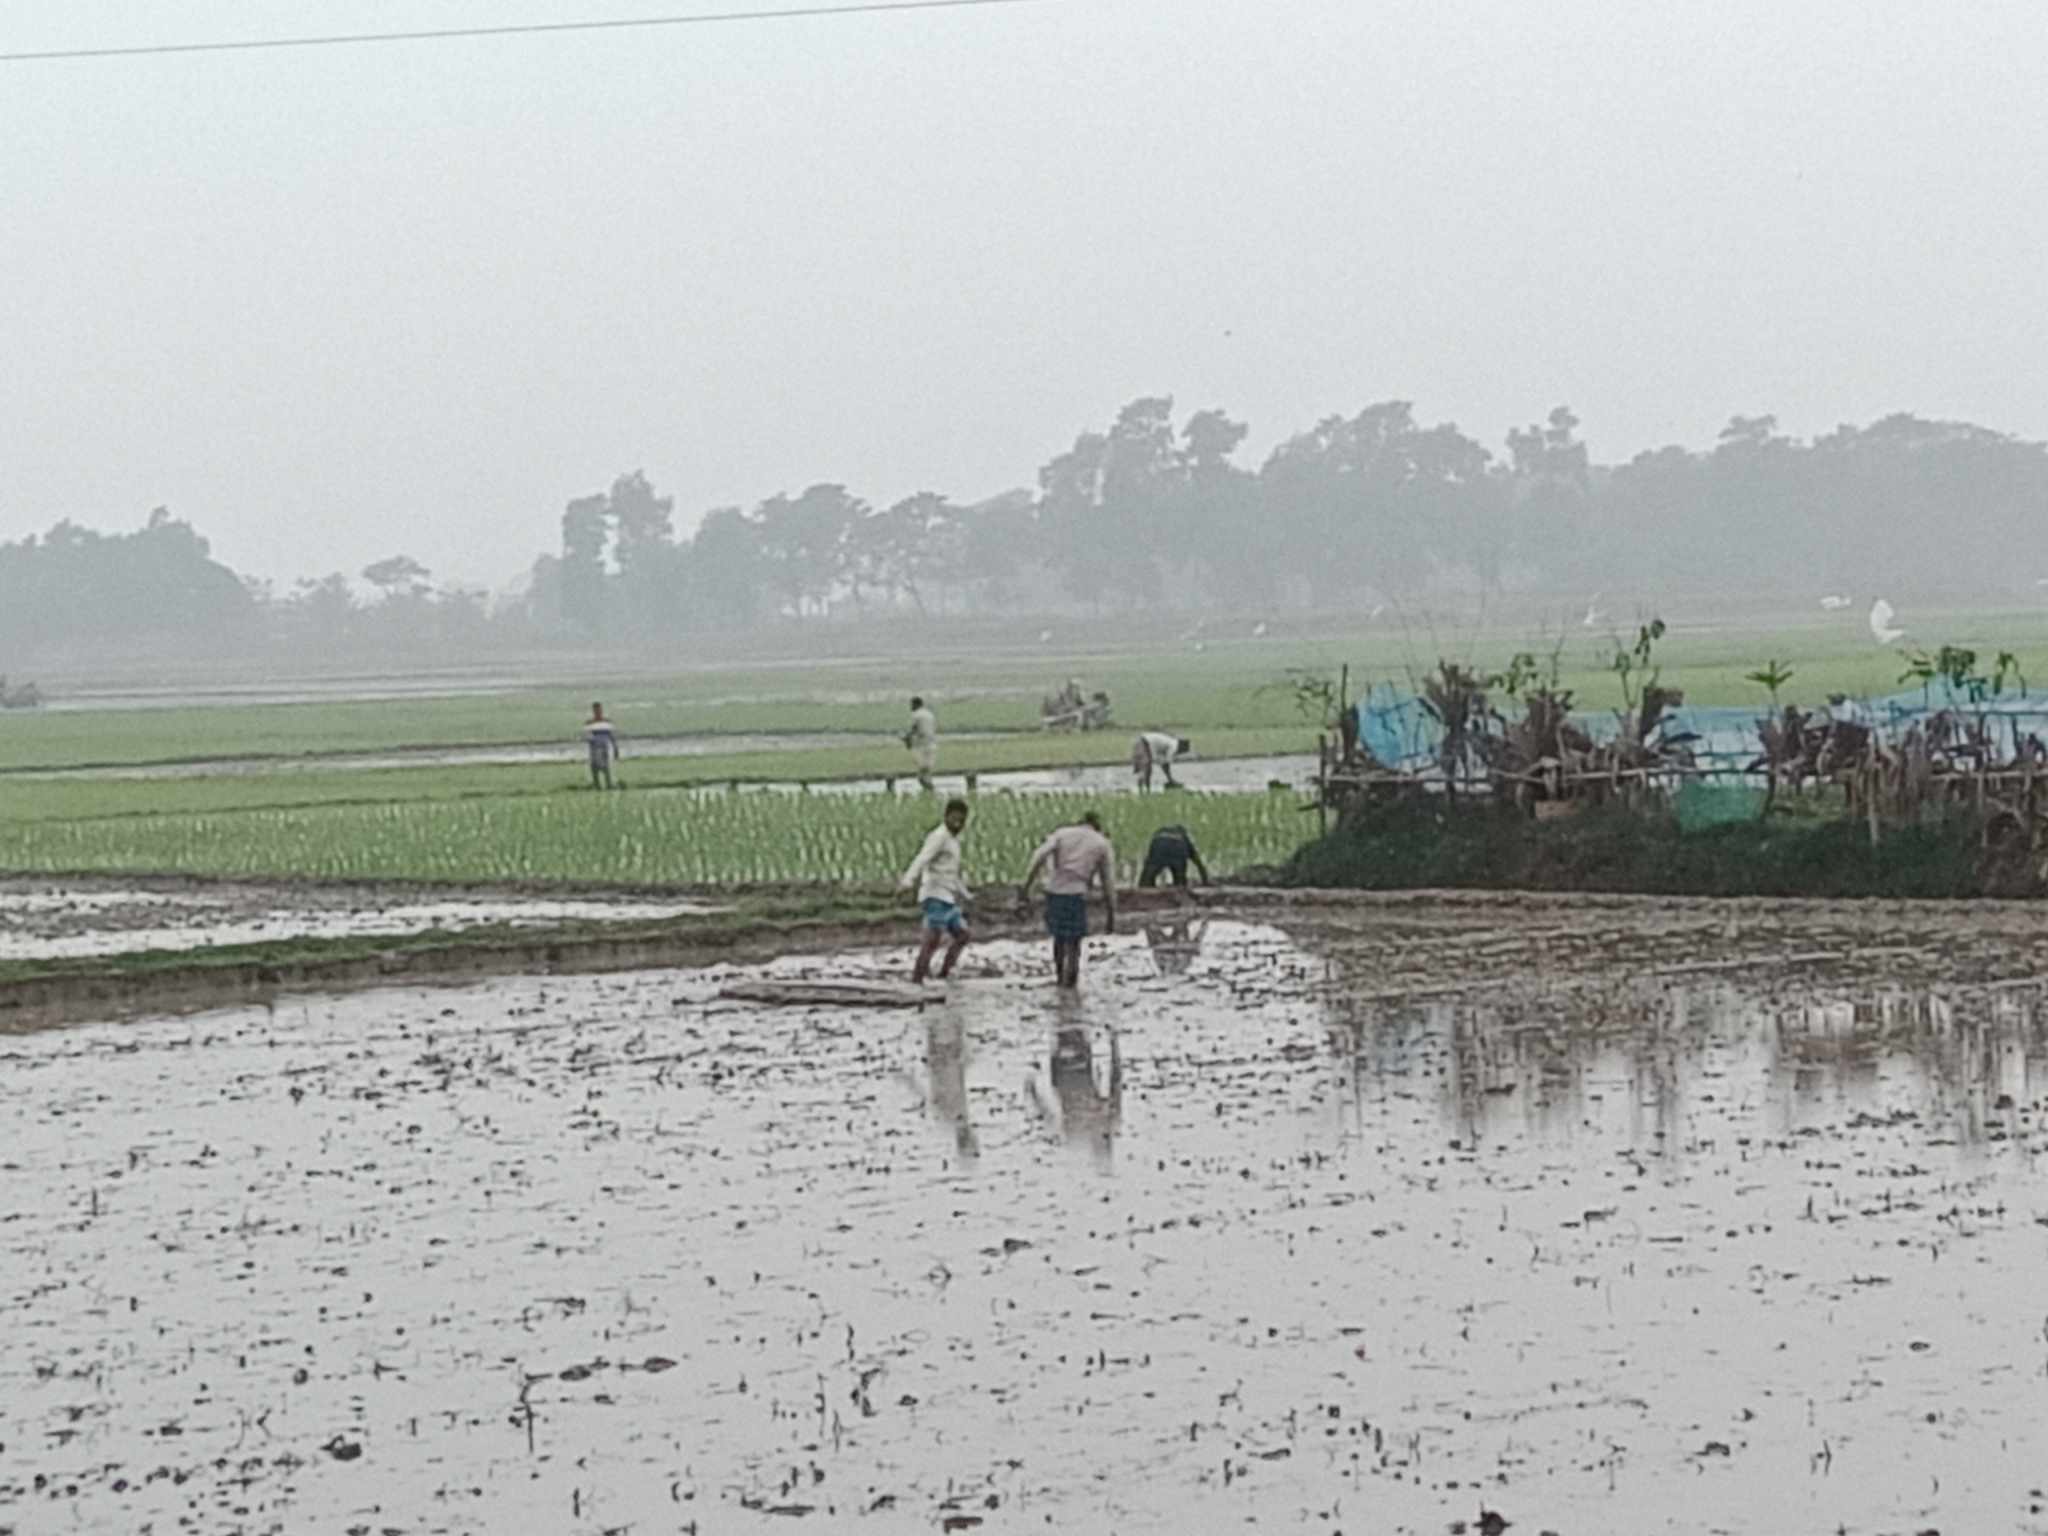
(1240, 774)
(572, 756)
(1232, 775)
(45, 919)
(1422, 1217)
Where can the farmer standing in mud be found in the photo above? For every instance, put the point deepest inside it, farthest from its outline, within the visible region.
(941, 892)
(1075, 858)
(922, 740)
(603, 743)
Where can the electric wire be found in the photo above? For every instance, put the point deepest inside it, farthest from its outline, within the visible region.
(516, 29)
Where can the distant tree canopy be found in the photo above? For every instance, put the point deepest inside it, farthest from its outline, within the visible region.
(75, 587)
(1148, 512)
(1379, 504)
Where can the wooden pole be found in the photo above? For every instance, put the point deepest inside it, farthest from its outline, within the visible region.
(2027, 792)
(1323, 783)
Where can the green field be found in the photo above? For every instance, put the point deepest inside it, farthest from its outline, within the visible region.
(29, 797)
(1154, 681)
(664, 838)
(285, 800)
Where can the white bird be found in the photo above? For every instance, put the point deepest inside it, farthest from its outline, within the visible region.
(1833, 603)
(1259, 629)
(1199, 646)
(1377, 610)
(1044, 635)
(1881, 626)
(1592, 612)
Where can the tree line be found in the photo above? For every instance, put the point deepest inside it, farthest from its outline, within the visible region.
(1150, 511)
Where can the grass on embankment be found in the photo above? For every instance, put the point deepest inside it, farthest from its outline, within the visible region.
(757, 915)
(1412, 846)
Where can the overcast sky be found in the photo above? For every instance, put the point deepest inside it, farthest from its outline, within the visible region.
(338, 303)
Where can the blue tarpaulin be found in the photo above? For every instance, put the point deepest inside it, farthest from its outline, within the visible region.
(1396, 729)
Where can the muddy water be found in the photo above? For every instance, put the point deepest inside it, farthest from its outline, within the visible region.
(47, 919)
(1238, 774)
(571, 755)
(1243, 775)
(1238, 1239)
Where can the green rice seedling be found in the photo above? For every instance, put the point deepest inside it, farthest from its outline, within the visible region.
(659, 838)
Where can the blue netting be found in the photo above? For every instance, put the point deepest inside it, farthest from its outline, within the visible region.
(1398, 731)
(1395, 728)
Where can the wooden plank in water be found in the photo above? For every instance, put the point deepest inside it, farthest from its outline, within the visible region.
(837, 994)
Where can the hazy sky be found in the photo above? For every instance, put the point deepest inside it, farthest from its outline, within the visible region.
(337, 303)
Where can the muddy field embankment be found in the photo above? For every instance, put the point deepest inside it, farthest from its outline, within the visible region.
(341, 938)
(106, 948)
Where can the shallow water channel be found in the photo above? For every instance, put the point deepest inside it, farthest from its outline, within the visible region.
(44, 919)
(1231, 1241)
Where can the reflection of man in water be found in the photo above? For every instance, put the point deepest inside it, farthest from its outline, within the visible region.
(1175, 945)
(945, 1047)
(1087, 1112)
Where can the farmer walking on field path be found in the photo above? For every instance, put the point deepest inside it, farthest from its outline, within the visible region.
(603, 744)
(941, 892)
(922, 740)
(1074, 858)
(1156, 749)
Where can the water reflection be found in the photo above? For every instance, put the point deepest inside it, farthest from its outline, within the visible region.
(1666, 1068)
(945, 1055)
(1174, 946)
(1081, 1093)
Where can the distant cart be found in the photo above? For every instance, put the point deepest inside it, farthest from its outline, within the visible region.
(1072, 710)
(26, 696)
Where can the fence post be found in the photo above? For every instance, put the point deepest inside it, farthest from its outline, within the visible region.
(2026, 791)
(1322, 784)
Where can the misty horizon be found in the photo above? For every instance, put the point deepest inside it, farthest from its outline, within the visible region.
(685, 522)
(924, 252)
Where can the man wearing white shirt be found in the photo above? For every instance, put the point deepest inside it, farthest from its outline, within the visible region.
(941, 892)
(923, 741)
(1156, 749)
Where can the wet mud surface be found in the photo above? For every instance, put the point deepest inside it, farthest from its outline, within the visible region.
(1591, 1217)
(571, 755)
(47, 919)
(1237, 775)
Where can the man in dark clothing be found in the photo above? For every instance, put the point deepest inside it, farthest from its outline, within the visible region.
(1169, 852)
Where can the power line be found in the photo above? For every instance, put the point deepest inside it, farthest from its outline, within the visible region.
(248, 45)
